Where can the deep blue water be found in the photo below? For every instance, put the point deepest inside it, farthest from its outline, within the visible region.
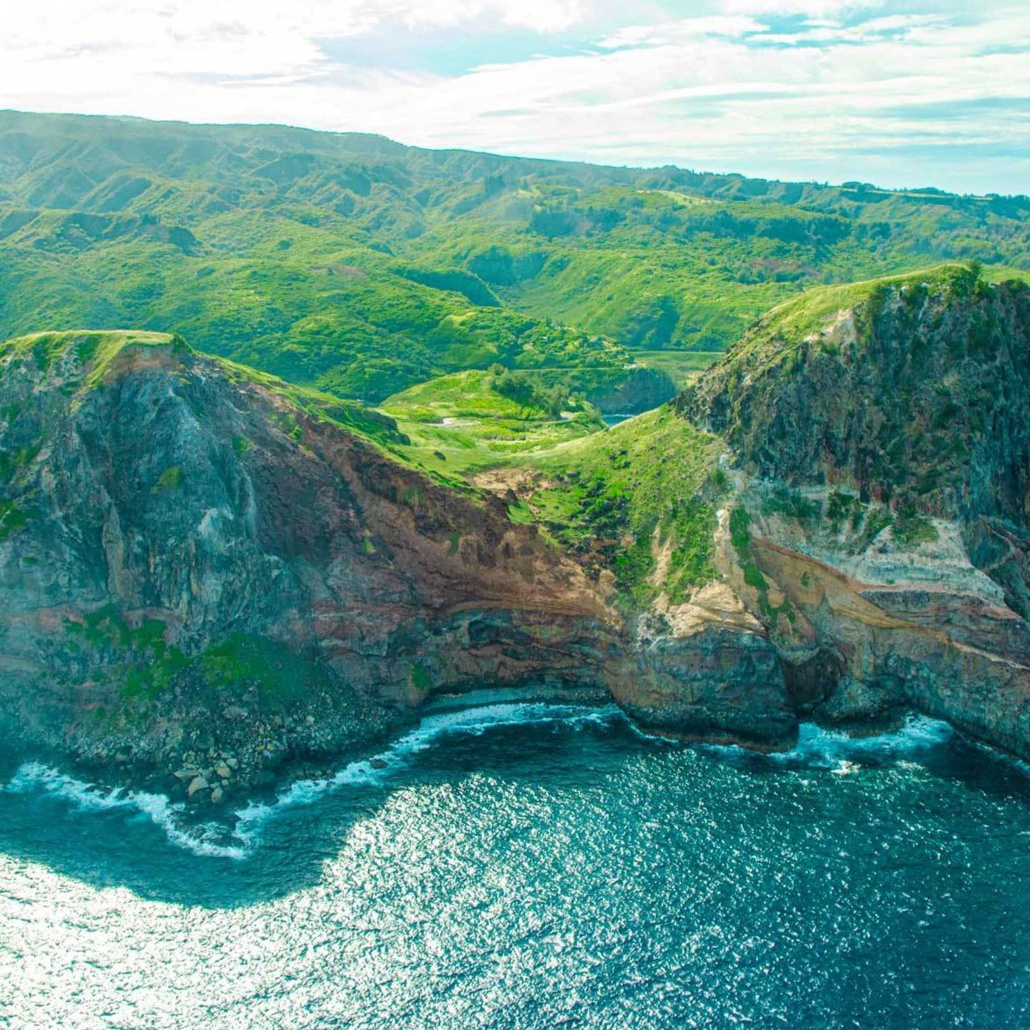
(521, 866)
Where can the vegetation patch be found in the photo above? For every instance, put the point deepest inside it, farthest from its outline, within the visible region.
(420, 679)
(911, 529)
(844, 509)
(13, 461)
(246, 660)
(170, 479)
(12, 519)
(142, 665)
(621, 498)
(784, 500)
(147, 666)
(740, 538)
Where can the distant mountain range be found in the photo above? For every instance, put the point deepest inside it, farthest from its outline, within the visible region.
(361, 266)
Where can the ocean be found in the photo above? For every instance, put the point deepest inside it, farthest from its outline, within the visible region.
(532, 866)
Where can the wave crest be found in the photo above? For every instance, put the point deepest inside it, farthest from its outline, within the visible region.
(239, 839)
(201, 839)
(819, 748)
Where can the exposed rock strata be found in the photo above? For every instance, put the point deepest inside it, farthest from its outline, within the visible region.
(856, 649)
(206, 575)
(918, 397)
(196, 568)
(886, 550)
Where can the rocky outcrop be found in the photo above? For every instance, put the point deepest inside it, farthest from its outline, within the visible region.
(879, 525)
(209, 576)
(866, 631)
(706, 670)
(206, 572)
(919, 392)
(639, 388)
(916, 394)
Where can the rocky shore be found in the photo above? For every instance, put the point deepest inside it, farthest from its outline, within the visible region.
(211, 580)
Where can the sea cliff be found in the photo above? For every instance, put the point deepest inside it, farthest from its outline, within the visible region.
(211, 578)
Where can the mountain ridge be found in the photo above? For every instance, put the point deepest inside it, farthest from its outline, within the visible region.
(398, 147)
(365, 271)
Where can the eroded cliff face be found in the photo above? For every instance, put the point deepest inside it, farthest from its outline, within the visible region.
(209, 576)
(206, 574)
(879, 525)
(867, 628)
(705, 670)
(917, 396)
(192, 563)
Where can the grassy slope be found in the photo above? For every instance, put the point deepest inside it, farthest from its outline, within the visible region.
(463, 395)
(97, 348)
(487, 429)
(782, 330)
(654, 272)
(363, 267)
(620, 497)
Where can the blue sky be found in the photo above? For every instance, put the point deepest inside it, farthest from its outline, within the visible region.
(901, 93)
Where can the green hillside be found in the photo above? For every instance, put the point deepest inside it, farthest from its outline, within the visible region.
(787, 327)
(458, 424)
(639, 499)
(363, 267)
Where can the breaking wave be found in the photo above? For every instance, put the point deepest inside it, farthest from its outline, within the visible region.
(819, 748)
(239, 835)
(201, 839)
(237, 839)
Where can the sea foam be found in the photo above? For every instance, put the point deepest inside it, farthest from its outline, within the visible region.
(833, 751)
(200, 839)
(238, 839)
(377, 769)
(828, 749)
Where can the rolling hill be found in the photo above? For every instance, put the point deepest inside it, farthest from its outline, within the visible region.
(363, 267)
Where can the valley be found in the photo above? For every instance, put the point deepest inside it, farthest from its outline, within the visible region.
(202, 562)
(388, 426)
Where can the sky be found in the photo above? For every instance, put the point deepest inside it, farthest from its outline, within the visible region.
(895, 92)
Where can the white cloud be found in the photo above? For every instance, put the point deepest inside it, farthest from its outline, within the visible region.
(716, 26)
(538, 15)
(833, 99)
(808, 8)
(53, 27)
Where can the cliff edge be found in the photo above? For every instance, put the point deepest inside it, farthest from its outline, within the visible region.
(210, 576)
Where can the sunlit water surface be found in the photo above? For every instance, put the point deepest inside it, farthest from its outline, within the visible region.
(522, 866)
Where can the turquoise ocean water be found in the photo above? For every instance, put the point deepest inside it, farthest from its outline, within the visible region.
(535, 867)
